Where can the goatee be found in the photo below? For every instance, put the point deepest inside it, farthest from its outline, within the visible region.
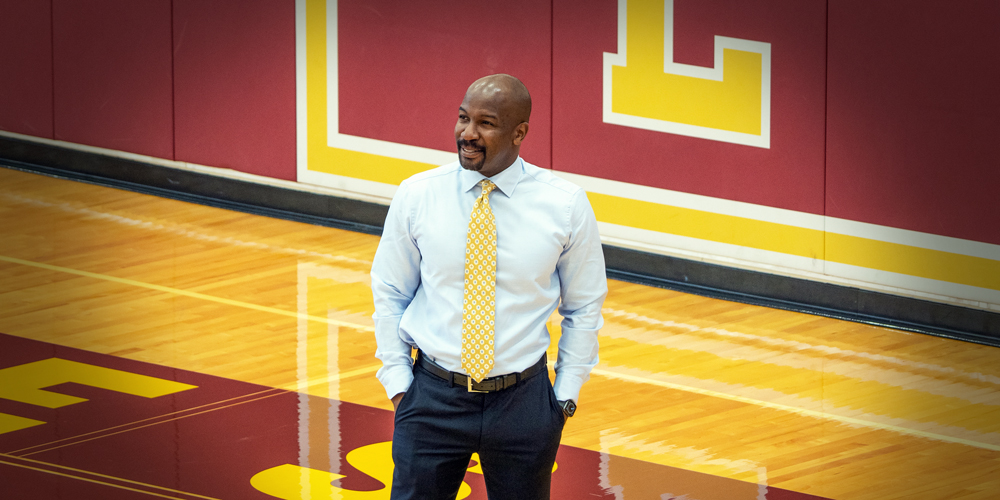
(468, 164)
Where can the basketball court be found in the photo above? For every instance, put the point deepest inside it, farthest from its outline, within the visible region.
(153, 348)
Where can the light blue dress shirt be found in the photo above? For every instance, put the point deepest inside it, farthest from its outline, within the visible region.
(548, 254)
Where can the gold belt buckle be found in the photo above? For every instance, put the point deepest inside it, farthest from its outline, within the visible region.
(470, 386)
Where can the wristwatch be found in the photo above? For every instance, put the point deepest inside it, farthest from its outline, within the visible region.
(568, 407)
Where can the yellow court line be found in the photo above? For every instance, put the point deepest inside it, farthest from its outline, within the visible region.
(119, 486)
(796, 410)
(301, 386)
(177, 291)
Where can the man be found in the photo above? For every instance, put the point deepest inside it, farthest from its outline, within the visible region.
(474, 257)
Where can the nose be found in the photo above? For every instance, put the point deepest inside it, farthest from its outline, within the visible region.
(469, 133)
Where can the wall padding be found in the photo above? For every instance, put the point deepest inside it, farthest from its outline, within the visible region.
(913, 127)
(112, 64)
(405, 66)
(26, 62)
(234, 84)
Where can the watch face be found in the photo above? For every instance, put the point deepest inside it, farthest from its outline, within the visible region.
(569, 407)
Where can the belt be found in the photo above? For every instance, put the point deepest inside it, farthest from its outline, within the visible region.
(491, 384)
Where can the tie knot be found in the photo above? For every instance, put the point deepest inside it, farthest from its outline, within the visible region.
(488, 186)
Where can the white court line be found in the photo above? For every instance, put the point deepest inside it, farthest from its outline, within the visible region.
(794, 409)
(196, 295)
(177, 229)
(306, 384)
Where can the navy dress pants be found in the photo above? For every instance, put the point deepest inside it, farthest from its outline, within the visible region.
(516, 432)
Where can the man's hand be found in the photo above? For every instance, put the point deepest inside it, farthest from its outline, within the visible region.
(396, 399)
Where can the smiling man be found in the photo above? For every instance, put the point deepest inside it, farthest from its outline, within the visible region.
(474, 257)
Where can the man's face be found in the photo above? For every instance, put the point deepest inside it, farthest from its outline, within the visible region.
(488, 140)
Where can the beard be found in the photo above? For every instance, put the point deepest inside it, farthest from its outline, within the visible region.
(470, 164)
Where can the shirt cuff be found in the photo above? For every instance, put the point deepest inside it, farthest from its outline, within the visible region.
(567, 386)
(396, 372)
(577, 357)
(395, 379)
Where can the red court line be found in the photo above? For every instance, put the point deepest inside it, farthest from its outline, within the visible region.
(278, 392)
(79, 476)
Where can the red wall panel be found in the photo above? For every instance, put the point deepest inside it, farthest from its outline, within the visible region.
(234, 84)
(788, 175)
(26, 62)
(405, 66)
(913, 106)
(112, 66)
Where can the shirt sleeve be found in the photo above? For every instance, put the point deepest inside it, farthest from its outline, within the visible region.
(583, 287)
(395, 278)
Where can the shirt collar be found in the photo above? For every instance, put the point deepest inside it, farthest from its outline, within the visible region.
(506, 180)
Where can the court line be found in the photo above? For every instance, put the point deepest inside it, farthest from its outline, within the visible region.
(301, 386)
(174, 228)
(196, 295)
(155, 423)
(105, 483)
(794, 409)
(796, 345)
(598, 371)
(15, 453)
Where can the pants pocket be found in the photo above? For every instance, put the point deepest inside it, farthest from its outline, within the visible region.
(406, 402)
(554, 402)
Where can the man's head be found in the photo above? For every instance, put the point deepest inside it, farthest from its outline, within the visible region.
(492, 122)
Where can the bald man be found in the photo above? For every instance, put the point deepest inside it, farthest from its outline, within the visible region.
(474, 258)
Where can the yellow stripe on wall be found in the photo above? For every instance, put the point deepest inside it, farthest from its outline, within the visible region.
(365, 166)
(792, 240)
(708, 226)
(913, 261)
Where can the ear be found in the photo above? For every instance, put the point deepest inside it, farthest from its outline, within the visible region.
(520, 131)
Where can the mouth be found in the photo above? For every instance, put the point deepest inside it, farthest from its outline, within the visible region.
(469, 151)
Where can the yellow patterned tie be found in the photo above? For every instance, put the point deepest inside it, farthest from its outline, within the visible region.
(478, 310)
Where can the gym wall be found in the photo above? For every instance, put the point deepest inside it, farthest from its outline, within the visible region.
(845, 142)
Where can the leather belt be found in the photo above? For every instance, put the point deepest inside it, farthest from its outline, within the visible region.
(491, 384)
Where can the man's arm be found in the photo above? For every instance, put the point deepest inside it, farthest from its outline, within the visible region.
(395, 278)
(584, 285)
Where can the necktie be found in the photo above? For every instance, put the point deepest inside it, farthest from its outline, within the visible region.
(478, 311)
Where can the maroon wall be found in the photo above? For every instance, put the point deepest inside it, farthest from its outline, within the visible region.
(914, 116)
(234, 85)
(404, 66)
(882, 112)
(26, 65)
(113, 75)
(209, 82)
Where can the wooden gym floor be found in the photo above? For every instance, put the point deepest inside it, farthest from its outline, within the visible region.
(215, 354)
